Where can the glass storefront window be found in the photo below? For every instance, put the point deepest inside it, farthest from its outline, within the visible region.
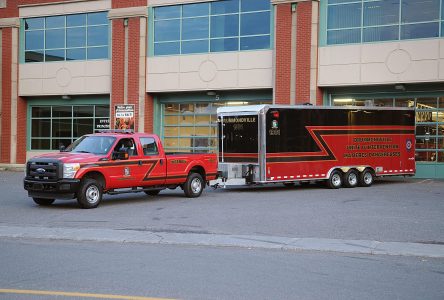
(54, 126)
(68, 37)
(383, 102)
(232, 25)
(361, 21)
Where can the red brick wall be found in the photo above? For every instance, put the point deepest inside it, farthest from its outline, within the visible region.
(133, 65)
(303, 49)
(283, 54)
(117, 65)
(11, 9)
(6, 95)
(128, 3)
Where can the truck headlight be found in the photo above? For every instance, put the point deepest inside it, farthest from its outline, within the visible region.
(70, 170)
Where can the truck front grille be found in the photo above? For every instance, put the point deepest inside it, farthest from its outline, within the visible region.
(42, 170)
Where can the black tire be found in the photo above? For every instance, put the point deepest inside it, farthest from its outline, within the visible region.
(152, 193)
(351, 178)
(366, 178)
(43, 201)
(335, 180)
(90, 193)
(304, 183)
(289, 184)
(194, 185)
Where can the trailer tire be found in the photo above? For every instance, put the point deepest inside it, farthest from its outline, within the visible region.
(194, 185)
(335, 180)
(289, 184)
(90, 193)
(351, 178)
(43, 201)
(366, 178)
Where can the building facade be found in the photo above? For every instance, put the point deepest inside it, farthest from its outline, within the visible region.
(69, 65)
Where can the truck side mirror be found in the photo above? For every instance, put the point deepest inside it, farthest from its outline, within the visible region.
(62, 148)
(120, 155)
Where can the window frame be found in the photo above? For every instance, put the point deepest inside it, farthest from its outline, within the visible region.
(66, 28)
(383, 36)
(209, 39)
(72, 118)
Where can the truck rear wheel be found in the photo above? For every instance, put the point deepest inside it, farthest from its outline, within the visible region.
(194, 185)
(90, 193)
(43, 201)
(335, 180)
(351, 178)
(366, 178)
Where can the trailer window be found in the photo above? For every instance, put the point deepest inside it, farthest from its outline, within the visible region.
(240, 134)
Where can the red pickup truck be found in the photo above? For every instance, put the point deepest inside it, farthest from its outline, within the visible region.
(115, 163)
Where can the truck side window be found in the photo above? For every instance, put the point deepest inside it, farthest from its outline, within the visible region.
(127, 145)
(149, 146)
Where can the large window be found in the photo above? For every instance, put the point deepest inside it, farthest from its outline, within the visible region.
(54, 126)
(429, 121)
(361, 21)
(69, 37)
(189, 127)
(229, 25)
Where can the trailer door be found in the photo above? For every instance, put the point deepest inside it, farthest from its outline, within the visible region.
(238, 138)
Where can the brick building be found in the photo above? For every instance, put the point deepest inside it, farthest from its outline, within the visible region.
(66, 65)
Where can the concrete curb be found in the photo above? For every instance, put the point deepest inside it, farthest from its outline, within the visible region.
(219, 240)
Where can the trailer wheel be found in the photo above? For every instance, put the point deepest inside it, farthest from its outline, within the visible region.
(43, 201)
(366, 178)
(90, 193)
(289, 184)
(194, 185)
(335, 180)
(351, 178)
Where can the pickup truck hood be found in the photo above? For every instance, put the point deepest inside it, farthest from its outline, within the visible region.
(69, 157)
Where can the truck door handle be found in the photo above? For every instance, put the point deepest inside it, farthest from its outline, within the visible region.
(161, 162)
(140, 162)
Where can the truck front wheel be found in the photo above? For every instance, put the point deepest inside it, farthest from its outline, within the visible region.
(194, 185)
(90, 193)
(43, 201)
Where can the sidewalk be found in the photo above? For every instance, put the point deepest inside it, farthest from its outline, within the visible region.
(218, 240)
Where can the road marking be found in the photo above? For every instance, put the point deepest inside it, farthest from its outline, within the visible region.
(70, 294)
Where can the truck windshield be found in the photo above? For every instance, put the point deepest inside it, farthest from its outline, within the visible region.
(92, 144)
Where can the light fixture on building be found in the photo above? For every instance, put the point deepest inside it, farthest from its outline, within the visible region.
(66, 97)
(211, 93)
(400, 87)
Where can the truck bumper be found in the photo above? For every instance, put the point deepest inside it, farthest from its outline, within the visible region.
(60, 189)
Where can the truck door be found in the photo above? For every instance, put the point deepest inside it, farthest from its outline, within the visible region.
(123, 173)
(153, 167)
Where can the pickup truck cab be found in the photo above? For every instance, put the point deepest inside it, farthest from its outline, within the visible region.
(115, 163)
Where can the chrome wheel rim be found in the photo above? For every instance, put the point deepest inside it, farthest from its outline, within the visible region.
(352, 179)
(196, 186)
(368, 178)
(336, 180)
(92, 194)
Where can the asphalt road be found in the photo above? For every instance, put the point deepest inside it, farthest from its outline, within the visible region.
(250, 244)
(183, 272)
(401, 210)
